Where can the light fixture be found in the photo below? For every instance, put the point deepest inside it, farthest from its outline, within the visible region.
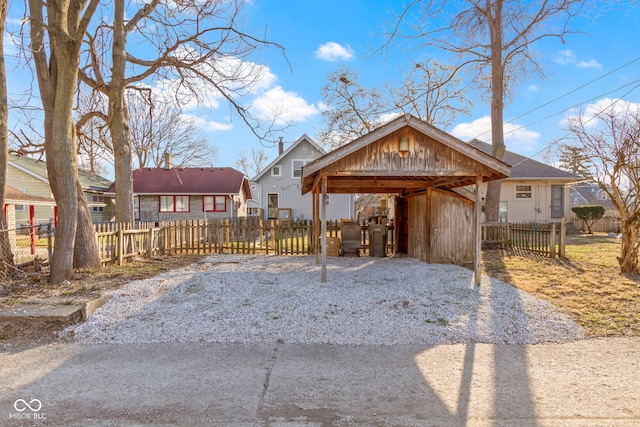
(403, 145)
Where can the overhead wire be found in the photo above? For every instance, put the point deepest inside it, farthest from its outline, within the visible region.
(567, 94)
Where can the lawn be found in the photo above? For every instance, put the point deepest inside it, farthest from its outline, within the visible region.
(587, 284)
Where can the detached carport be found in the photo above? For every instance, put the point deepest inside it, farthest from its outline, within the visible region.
(437, 219)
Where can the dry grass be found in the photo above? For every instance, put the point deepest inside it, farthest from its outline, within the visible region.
(587, 284)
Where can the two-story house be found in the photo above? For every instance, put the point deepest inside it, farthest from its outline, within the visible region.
(276, 189)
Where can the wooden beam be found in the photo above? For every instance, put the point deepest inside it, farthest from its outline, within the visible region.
(477, 271)
(404, 173)
(323, 232)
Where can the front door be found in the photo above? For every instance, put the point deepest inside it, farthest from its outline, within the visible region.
(557, 201)
(272, 200)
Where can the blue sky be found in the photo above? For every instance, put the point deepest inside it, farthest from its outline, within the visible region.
(320, 36)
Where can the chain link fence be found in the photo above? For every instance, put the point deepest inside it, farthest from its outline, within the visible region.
(24, 250)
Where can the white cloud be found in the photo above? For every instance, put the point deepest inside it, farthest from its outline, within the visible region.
(567, 57)
(516, 138)
(590, 64)
(589, 113)
(332, 51)
(240, 77)
(287, 106)
(207, 125)
(533, 89)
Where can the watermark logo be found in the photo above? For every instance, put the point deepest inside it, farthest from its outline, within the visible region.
(27, 410)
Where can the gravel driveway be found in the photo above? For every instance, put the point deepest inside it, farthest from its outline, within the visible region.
(366, 301)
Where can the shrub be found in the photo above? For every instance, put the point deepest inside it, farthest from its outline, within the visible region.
(590, 214)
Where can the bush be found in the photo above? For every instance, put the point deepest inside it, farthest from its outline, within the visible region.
(590, 214)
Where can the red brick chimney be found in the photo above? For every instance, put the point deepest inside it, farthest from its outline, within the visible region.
(280, 146)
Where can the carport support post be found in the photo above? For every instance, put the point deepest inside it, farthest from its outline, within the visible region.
(323, 229)
(477, 271)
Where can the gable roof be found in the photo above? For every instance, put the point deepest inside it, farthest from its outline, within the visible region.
(13, 196)
(192, 181)
(525, 168)
(286, 152)
(395, 173)
(589, 193)
(38, 169)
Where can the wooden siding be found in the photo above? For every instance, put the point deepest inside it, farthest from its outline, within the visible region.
(452, 228)
(417, 226)
(425, 155)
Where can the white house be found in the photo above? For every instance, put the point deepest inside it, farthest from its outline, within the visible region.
(534, 191)
(276, 189)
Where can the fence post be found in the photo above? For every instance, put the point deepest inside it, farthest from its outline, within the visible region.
(563, 236)
(50, 240)
(552, 240)
(150, 245)
(120, 245)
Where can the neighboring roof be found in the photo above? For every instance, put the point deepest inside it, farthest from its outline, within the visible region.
(227, 181)
(13, 196)
(286, 152)
(588, 195)
(525, 168)
(38, 169)
(401, 173)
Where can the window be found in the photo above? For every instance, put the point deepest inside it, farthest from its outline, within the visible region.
(214, 203)
(502, 211)
(327, 201)
(136, 208)
(97, 199)
(276, 171)
(174, 203)
(523, 192)
(21, 208)
(296, 167)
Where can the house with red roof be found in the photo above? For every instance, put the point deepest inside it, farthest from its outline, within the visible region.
(176, 194)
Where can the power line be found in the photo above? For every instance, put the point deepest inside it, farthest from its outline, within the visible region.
(567, 94)
(586, 121)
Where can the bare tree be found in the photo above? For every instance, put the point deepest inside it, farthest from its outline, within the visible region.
(199, 47)
(94, 144)
(56, 34)
(428, 91)
(495, 40)
(254, 165)
(6, 256)
(353, 110)
(432, 92)
(609, 140)
(158, 127)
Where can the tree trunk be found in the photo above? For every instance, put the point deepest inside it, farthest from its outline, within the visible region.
(492, 201)
(63, 173)
(6, 255)
(119, 121)
(86, 254)
(57, 80)
(628, 258)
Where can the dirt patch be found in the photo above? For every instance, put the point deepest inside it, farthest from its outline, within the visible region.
(85, 286)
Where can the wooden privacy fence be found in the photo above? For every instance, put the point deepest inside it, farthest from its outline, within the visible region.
(117, 242)
(546, 239)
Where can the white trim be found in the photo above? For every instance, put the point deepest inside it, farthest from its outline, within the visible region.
(279, 174)
(29, 172)
(293, 169)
